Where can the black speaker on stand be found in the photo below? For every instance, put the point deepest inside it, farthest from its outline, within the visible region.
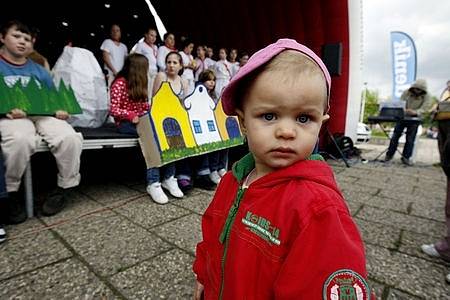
(332, 58)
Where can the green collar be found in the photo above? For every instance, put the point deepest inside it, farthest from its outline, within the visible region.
(242, 167)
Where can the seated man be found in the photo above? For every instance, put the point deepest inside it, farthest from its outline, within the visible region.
(20, 133)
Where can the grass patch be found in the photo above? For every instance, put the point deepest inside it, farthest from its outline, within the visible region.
(378, 133)
(176, 154)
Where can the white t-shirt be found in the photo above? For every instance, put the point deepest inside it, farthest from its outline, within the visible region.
(188, 74)
(223, 69)
(234, 68)
(203, 65)
(117, 54)
(151, 52)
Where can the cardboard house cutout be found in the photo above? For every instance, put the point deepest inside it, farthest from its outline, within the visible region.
(36, 98)
(175, 129)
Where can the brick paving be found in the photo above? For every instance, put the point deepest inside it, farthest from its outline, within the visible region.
(112, 242)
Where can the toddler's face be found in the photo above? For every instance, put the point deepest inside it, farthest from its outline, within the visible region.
(282, 119)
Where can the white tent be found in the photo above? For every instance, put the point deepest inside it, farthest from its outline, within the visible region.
(79, 69)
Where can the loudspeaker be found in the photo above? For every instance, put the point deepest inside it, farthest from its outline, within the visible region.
(332, 58)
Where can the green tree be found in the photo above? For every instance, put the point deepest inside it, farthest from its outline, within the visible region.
(6, 101)
(371, 107)
(21, 100)
(33, 92)
(426, 117)
(67, 99)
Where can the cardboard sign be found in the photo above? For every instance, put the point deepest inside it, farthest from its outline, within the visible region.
(175, 129)
(35, 98)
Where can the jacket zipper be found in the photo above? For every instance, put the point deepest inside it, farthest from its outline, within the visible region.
(225, 235)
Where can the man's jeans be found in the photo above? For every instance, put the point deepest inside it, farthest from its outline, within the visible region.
(411, 131)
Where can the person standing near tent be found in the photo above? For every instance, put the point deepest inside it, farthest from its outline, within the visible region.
(416, 98)
(113, 53)
(148, 48)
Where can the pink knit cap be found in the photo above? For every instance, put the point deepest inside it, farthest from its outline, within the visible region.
(260, 58)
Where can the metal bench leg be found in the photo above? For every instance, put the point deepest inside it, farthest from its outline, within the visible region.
(28, 185)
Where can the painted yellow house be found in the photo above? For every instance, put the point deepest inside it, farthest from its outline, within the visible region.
(226, 124)
(170, 120)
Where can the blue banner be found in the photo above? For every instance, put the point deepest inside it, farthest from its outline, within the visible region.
(404, 63)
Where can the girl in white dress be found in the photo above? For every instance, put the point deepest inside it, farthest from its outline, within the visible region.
(188, 64)
(222, 68)
(232, 58)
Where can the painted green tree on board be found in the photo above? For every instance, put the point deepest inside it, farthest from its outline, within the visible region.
(37, 100)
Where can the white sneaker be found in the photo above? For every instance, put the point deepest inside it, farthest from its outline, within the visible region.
(222, 172)
(2, 234)
(171, 185)
(215, 177)
(430, 250)
(447, 278)
(155, 191)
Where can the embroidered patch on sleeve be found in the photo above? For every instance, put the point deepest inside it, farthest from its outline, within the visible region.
(346, 285)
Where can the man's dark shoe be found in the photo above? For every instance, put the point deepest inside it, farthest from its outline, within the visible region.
(205, 183)
(55, 202)
(388, 158)
(407, 161)
(15, 212)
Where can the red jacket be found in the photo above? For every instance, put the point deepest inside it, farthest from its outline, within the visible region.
(288, 236)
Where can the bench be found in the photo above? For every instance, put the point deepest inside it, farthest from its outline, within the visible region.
(94, 138)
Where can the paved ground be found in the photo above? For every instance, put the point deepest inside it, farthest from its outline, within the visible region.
(112, 242)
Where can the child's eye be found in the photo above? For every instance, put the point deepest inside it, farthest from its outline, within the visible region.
(303, 119)
(268, 117)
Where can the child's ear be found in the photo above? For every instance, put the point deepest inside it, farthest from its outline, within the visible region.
(325, 118)
(240, 115)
